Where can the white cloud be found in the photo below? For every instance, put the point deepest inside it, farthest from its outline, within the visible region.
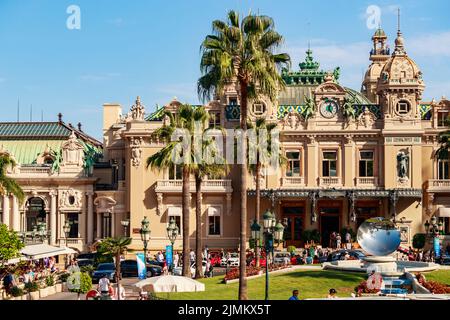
(426, 45)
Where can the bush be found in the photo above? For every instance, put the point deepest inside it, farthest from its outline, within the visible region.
(234, 273)
(32, 286)
(291, 249)
(63, 276)
(88, 269)
(311, 235)
(16, 291)
(50, 281)
(419, 240)
(362, 288)
(79, 282)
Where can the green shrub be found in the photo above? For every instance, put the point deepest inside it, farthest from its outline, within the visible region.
(79, 282)
(63, 276)
(16, 291)
(88, 269)
(419, 240)
(50, 281)
(291, 249)
(32, 286)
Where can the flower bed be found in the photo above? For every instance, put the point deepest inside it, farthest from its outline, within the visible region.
(433, 286)
(362, 288)
(234, 273)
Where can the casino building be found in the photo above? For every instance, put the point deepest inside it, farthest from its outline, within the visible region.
(341, 169)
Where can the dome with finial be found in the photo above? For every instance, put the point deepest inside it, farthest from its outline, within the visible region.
(379, 33)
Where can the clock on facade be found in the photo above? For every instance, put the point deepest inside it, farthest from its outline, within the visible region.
(328, 108)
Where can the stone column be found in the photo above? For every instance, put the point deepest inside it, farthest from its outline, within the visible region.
(348, 165)
(113, 224)
(16, 215)
(6, 210)
(53, 209)
(90, 218)
(99, 225)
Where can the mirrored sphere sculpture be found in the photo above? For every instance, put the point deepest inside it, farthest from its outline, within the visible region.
(378, 236)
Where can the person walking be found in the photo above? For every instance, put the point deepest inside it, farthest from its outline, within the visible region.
(176, 258)
(338, 241)
(192, 256)
(294, 295)
(104, 285)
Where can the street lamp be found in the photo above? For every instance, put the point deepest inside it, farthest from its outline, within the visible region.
(433, 229)
(66, 230)
(125, 224)
(145, 236)
(272, 231)
(172, 233)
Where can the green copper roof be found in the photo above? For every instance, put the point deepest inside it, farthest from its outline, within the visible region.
(156, 116)
(27, 151)
(33, 130)
(359, 97)
(380, 33)
(309, 73)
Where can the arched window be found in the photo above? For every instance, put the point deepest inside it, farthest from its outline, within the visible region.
(48, 160)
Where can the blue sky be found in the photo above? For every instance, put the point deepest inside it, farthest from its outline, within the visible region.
(151, 49)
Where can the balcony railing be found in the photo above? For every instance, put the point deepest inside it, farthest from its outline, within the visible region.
(367, 181)
(293, 182)
(37, 170)
(438, 185)
(330, 181)
(221, 185)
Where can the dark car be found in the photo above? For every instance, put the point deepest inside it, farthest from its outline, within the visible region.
(129, 268)
(108, 269)
(340, 254)
(155, 263)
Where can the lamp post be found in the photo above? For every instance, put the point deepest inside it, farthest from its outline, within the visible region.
(125, 224)
(433, 229)
(272, 231)
(66, 229)
(145, 237)
(172, 233)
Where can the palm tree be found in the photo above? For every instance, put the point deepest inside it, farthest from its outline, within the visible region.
(242, 52)
(261, 124)
(116, 247)
(7, 184)
(186, 118)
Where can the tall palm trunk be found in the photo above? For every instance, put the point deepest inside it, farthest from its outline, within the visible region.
(118, 274)
(198, 228)
(186, 211)
(258, 204)
(243, 231)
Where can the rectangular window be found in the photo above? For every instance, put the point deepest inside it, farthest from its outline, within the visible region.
(177, 222)
(214, 221)
(329, 164)
(106, 225)
(214, 119)
(176, 172)
(366, 160)
(441, 119)
(73, 221)
(443, 169)
(293, 165)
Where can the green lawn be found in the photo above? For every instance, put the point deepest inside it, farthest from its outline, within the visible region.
(442, 276)
(311, 284)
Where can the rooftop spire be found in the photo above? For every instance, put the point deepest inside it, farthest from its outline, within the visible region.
(399, 42)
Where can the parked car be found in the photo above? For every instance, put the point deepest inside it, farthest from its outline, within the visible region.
(155, 262)
(280, 257)
(129, 268)
(339, 255)
(108, 269)
(233, 261)
(86, 259)
(178, 271)
(406, 251)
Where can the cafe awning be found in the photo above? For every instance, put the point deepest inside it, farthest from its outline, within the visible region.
(39, 251)
(443, 212)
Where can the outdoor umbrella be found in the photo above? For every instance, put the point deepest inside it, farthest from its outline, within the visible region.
(170, 284)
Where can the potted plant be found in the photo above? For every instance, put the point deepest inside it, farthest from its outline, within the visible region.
(51, 287)
(43, 289)
(79, 282)
(33, 290)
(62, 285)
(17, 294)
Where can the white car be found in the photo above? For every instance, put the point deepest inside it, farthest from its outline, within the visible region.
(233, 261)
(178, 271)
(280, 257)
